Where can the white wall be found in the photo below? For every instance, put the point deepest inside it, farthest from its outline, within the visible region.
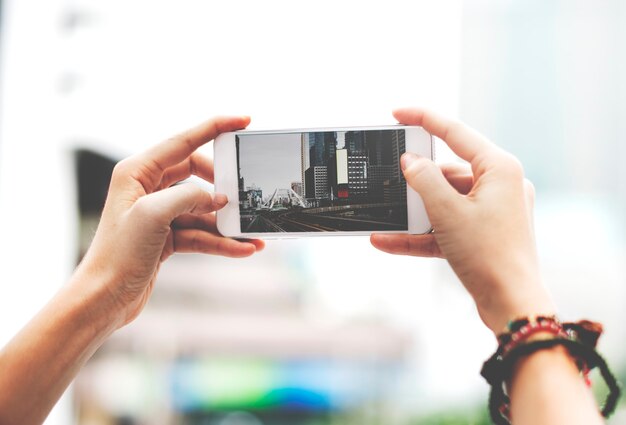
(545, 80)
(132, 72)
(37, 214)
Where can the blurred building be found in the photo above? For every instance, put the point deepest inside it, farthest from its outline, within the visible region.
(305, 331)
(216, 341)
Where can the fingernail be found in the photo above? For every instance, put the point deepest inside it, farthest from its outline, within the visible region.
(407, 159)
(220, 199)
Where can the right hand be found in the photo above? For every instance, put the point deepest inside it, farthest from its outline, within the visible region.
(147, 217)
(482, 221)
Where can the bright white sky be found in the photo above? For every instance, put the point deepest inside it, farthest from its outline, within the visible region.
(270, 161)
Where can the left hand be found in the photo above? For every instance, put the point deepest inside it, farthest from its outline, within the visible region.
(147, 217)
(482, 219)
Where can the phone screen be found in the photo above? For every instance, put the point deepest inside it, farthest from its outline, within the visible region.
(322, 181)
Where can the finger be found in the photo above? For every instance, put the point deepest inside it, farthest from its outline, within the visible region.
(258, 243)
(400, 244)
(196, 165)
(196, 221)
(167, 204)
(178, 148)
(463, 140)
(194, 240)
(455, 169)
(427, 179)
(207, 222)
(459, 176)
(529, 190)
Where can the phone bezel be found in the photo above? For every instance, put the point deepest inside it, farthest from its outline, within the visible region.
(417, 140)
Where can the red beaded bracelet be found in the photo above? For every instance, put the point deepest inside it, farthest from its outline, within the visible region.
(519, 340)
(530, 329)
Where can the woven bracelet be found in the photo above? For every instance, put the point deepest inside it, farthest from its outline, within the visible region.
(497, 370)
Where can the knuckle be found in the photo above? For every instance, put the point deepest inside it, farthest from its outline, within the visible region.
(123, 168)
(420, 169)
(433, 249)
(196, 243)
(196, 196)
(529, 189)
(511, 165)
(188, 141)
(193, 163)
(217, 123)
(184, 138)
(175, 138)
(220, 246)
(192, 191)
(454, 128)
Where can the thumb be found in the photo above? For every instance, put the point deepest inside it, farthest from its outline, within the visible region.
(167, 204)
(425, 177)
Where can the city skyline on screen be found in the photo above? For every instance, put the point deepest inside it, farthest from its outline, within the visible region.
(321, 181)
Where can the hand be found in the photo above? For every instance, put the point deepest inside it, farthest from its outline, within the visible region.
(147, 218)
(482, 221)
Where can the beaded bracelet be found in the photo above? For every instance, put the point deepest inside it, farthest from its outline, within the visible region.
(579, 339)
(524, 329)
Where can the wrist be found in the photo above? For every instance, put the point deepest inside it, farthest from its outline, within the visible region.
(89, 287)
(555, 355)
(527, 306)
(543, 353)
(513, 296)
(551, 375)
(549, 358)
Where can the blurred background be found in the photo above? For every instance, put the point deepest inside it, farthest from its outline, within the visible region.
(310, 331)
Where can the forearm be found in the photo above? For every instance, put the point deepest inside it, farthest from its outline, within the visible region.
(547, 389)
(39, 363)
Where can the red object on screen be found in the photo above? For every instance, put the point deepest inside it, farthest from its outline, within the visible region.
(342, 193)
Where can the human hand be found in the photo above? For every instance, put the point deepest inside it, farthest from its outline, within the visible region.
(146, 218)
(482, 221)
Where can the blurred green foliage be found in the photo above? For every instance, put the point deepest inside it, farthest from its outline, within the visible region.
(476, 416)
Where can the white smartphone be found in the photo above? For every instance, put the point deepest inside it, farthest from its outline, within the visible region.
(321, 181)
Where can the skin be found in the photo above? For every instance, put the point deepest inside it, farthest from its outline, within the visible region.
(482, 220)
(483, 226)
(145, 220)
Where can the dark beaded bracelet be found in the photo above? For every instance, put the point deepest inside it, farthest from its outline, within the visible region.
(497, 371)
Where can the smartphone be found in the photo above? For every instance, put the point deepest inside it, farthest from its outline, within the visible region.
(320, 181)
